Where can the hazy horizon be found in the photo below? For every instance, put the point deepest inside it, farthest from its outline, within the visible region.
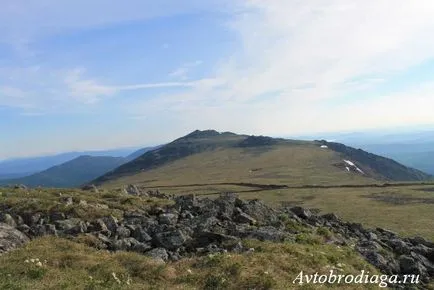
(315, 135)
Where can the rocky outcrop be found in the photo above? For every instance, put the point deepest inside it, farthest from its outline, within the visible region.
(193, 226)
(10, 238)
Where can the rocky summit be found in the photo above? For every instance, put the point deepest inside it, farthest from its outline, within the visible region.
(190, 226)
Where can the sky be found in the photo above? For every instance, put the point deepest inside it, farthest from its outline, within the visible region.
(92, 75)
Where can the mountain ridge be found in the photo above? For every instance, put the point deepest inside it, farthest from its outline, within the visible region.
(201, 142)
(71, 173)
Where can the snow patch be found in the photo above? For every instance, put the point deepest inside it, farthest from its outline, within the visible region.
(324, 146)
(349, 162)
(352, 165)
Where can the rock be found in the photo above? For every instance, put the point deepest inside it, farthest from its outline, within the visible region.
(82, 203)
(67, 200)
(20, 186)
(90, 187)
(258, 210)
(301, 212)
(267, 233)
(158, 254)
(43, 230)
(186, 215)
(71, 226)
(205, 238)
(171, 240)
(124, 244)
(98, 226)
(168, 218)
(419, 240)
(223, 206)
(379, 261)
(399, 246)
(157, 194)
(409, 265)
(7, 219)
(387, 233)
(368, 245)
(243, 218)
(31, 219)
(134, 190)
(424, 262)
(111, 223)
(371, 236)
(103, 238)
(122, 232)
(24, 228)
(10, 238)
(331, 217)
(141, 235)
(55, 216)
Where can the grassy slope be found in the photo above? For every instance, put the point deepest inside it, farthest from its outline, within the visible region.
(100, 204)
(281, 164)
(71, 265)
(406, 210)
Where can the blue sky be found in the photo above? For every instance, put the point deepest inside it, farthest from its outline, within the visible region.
(80, 75)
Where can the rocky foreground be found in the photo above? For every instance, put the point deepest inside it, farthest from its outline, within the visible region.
(192, 226)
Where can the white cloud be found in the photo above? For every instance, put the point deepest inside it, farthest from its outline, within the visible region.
(45, 88)
(296, 57)
(182, 71)
(291, 70)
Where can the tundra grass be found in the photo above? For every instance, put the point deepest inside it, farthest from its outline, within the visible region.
(54, 263)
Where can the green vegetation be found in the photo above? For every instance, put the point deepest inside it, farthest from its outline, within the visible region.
(87, 205)
(290, 164)
(407, 210)
(212, 157)
(54, 263)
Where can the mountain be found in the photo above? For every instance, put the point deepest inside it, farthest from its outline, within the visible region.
(72, 173)
(140, 152)
(242, 158)
(412, 147)
(25, 166)
(378, 166)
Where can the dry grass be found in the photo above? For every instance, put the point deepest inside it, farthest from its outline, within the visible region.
(406, 210)
(103, 203)
(69, 265)
(282, 164)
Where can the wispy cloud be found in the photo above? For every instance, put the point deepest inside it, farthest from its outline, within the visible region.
(293, 57)
(182, 71)
(291, 67)
(73, 86)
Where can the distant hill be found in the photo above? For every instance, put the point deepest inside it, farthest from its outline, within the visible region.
(412, 147)
(210, 157)
(19, 167)
(420, 156)
(140, 152)
(378, 166)
(72, 173)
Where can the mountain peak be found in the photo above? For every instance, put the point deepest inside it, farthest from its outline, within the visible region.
(202, 134)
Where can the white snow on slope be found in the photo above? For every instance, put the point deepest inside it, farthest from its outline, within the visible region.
(351, 164)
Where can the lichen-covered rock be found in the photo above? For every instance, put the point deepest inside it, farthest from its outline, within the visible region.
(10, 238)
